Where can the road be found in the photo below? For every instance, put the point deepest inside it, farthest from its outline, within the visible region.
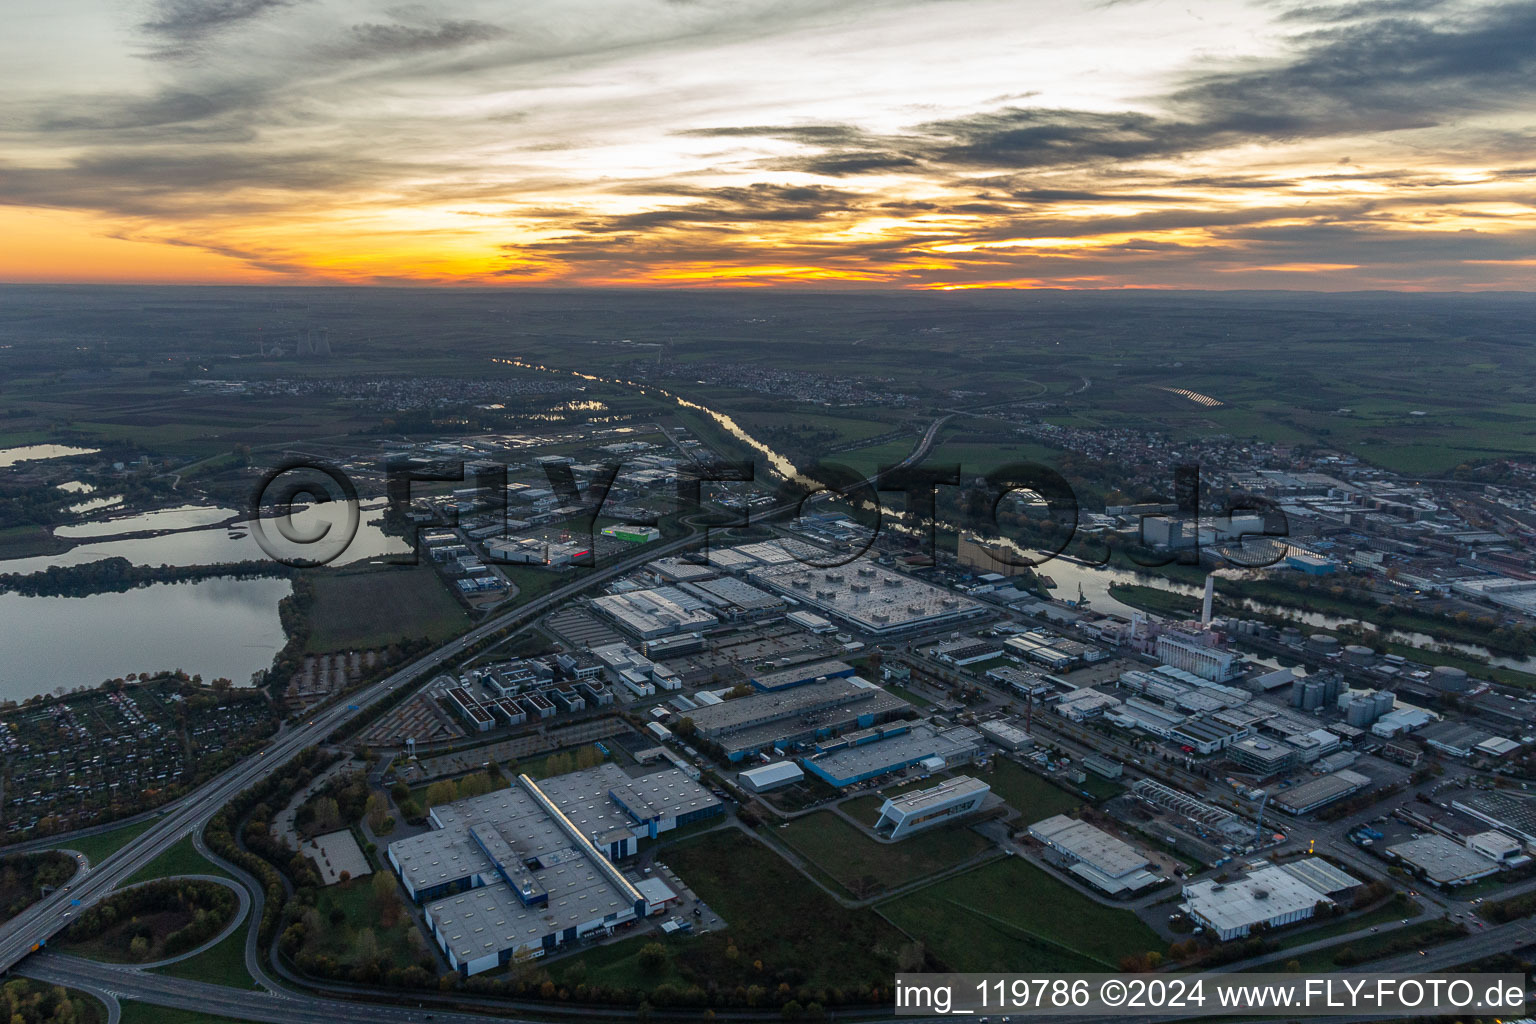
(20, 935)
(27, 931)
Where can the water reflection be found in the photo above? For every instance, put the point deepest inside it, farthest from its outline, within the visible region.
(37, 452)
(212, 628)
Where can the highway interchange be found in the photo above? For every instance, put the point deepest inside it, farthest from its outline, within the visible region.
(21, 936)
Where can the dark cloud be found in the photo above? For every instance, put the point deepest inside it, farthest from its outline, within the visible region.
(179, 25)
(753, 204)
(372, 40)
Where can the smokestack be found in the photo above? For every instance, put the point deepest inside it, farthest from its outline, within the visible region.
(1205, 604)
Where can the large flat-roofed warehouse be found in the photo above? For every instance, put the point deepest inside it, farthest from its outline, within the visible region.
(900, 816)
(798, 675)
(1513, 814)
(780, 718)
(1442, 860)
(1309, 796)
(1269, 896)
(734, 600)
(1094, 855)
(530, 868)
(867, 596)
(658, 612)
(895, 752)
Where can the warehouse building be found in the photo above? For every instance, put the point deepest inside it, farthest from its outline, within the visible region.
(1510, 814)
(1098, 858)
(867, 596)
(784, 717)
(922, 745)
(903, 815)
(1320, 792)
(734, 600)
(1006, 735)
(1443, 860)
(525, 870)
(1268, 896)
(798, 675)
(658, 612)
(770, 776)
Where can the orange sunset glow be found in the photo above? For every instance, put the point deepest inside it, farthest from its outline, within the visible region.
(1261, 144)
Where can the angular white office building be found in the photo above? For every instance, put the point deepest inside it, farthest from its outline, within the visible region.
(902, 815)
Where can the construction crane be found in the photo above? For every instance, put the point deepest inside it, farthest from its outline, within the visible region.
(1258, 830)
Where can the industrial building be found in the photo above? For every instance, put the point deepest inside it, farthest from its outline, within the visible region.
(867, 596)
(1268, 896)
(1513, 815)
(734, 600)
(633, 534)
(1006, 735)
(1261, 756)
(770, 776)
(1320, 792)
(524, 870)
(896, 750)
(911, 812)
(658, 612)
(1191, 655)
(798, 675)
(784, 717)
(1095, 856)
(1443, 860)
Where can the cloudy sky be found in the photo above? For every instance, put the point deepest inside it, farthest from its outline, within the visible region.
(959, 143)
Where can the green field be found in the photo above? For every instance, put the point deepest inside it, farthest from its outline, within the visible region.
(796, 931)
(863, 866)
(1027, 792)
(1009, 915)
(181, 859)
(148, 1013)
(102, 845)
(222, 963)
(363, 608)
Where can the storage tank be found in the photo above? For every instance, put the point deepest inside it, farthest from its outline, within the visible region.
(1312, 694)
(1449, 678)
(1322, 643)
(1357, 654)
(1333, 689)
(1298, 687)
(1384, 702)
(1361, 712)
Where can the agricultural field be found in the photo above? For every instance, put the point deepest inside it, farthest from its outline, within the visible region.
(363, 608)
(1009, 912)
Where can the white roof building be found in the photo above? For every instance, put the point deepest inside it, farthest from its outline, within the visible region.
(1268, 896)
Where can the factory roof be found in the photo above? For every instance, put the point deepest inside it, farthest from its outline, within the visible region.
(1322, 790)
(1321, 875)
(1093, 846)
(1443, 860)
(904, 748)
(935, 796)
(1263, 895)
(868, 596)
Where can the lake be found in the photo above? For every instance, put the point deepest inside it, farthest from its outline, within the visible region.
(212, 628)
(37, 452)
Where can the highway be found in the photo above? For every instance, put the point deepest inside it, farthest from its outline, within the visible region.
(27, 931)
